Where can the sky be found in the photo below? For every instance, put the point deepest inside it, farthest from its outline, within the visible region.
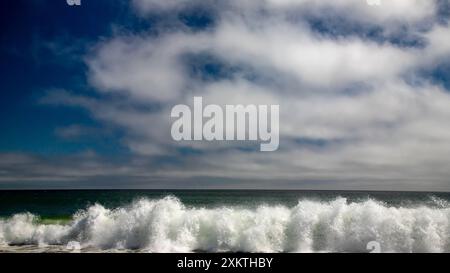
(363, 89)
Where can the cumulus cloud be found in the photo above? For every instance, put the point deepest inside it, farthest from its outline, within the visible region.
(353, 109)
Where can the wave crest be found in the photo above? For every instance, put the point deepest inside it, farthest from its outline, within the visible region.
(166, 225)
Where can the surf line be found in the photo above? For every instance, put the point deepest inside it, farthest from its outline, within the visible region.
(249, 122)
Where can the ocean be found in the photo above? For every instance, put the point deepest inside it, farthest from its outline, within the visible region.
(223, 221)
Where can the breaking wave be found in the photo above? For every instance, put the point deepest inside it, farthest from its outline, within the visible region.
(166, 225)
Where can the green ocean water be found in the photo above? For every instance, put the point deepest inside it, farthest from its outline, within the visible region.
(60, 205)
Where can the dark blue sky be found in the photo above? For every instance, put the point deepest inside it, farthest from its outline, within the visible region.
(43, 45)
(42, 48)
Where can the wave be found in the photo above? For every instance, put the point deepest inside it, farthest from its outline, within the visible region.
(167, 225)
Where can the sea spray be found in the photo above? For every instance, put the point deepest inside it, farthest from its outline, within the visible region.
(167, 225)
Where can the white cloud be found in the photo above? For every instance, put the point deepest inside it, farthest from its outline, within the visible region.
(385, 130)
(314, 59)
(147, 68)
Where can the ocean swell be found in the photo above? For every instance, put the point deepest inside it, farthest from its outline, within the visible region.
(166, 225)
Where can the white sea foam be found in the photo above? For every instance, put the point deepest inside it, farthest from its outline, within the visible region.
(166, 225)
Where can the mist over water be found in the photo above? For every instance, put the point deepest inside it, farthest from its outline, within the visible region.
(167, 224)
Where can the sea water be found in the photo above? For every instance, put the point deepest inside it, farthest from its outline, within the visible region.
(223, 221)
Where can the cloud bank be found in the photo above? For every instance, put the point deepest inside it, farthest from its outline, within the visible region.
(359, 107)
